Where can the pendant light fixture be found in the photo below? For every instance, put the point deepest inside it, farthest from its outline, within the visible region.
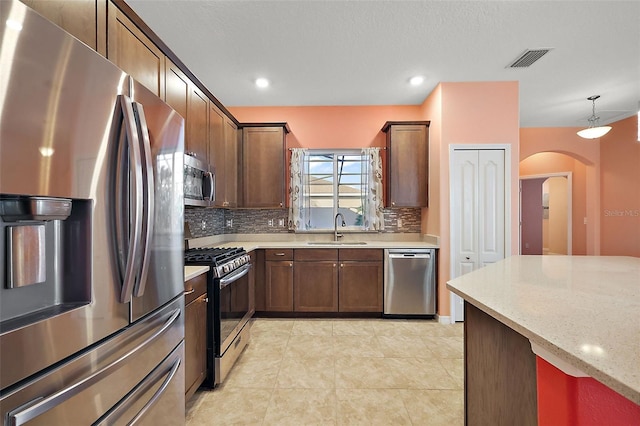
(594, 131)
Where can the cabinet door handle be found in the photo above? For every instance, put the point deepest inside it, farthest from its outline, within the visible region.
(334, 265)
(291, 264)
(206, 300)
(278, 254)
(468, 258)
(393, 203)
(342, 265)
(280, 204)
(188, 292)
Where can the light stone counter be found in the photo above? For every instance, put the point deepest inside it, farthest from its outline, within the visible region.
(193, 271)
(280, 241)
(584, 310)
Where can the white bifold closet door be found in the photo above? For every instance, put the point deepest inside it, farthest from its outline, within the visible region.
(477, 212)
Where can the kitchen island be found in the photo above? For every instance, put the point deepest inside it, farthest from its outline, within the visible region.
(580, 314)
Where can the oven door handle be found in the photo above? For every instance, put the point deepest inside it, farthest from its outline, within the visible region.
(235, 275)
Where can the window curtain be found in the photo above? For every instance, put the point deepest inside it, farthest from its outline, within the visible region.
(372, 203)
(298, 200)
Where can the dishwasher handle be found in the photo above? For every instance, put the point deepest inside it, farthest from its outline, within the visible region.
(410, 256)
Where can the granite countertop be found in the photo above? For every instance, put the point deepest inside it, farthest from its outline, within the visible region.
(584, 310)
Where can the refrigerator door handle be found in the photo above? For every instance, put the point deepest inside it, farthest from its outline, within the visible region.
(40, 406)
(149, 197)
(116, 412)
(134, 194)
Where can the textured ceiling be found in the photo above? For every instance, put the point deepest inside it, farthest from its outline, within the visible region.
(364, 52)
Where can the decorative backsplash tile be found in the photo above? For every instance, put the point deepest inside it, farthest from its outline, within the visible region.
(209, 222)
(258, 221)
(204, 222)
(402, 220)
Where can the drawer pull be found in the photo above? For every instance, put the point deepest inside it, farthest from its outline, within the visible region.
(186, 293)
(278, 254)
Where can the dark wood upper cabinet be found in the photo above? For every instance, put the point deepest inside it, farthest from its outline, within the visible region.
(217, 152)
(223, 156)
(407, 163)
(197, 124)
(79, 18)
(135, 53)
(232, 160)
(263, 165)
(188, 101)
(176, 89)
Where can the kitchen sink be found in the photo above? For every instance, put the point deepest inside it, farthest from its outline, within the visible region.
(336, 243)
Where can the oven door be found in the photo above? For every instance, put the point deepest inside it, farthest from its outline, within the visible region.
(233, 307)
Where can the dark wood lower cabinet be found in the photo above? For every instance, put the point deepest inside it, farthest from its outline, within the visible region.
(319, 280)
(500, 373)
(360, 287)
(315, 286)
(278, 286)
(195, 334)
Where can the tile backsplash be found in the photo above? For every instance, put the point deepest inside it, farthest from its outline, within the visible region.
(209, 222)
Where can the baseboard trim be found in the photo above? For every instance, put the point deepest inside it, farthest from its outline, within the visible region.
(444, 319)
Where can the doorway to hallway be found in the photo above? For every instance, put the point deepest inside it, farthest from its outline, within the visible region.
(545, 214)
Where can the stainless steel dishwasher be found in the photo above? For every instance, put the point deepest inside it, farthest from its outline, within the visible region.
(409, 282)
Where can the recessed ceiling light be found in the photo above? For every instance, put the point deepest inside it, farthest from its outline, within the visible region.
(14, 25)
(417, 80)
(46, 151)
(262, 82)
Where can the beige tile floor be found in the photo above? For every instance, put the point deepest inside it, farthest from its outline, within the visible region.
(340, 372)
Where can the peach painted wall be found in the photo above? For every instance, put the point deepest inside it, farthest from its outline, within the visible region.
(620, 190)
(558, 144)
(331, 126)
(553, 162)
(432, 107)
(468, 113)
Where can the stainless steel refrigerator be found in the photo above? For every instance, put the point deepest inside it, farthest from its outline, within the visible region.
(91, 230)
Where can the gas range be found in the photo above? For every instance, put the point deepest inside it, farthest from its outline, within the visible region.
(221, 260)
(230, 306)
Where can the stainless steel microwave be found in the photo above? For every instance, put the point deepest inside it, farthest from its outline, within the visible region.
(199, 182)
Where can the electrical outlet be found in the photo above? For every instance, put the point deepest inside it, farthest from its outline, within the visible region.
(229, 223)
(281, 222)
(203, 225)
(399, 223)
(270, 222)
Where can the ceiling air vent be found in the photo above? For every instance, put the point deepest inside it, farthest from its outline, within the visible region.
(528, 57)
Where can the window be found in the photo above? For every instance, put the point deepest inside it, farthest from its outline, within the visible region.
(325, 183)
(335, 183)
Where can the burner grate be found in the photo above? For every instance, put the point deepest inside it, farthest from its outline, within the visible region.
(215, 256)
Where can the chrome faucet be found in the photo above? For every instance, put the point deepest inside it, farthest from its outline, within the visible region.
(335, 226)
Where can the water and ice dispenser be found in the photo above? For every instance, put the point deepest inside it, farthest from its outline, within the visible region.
(45, 257)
